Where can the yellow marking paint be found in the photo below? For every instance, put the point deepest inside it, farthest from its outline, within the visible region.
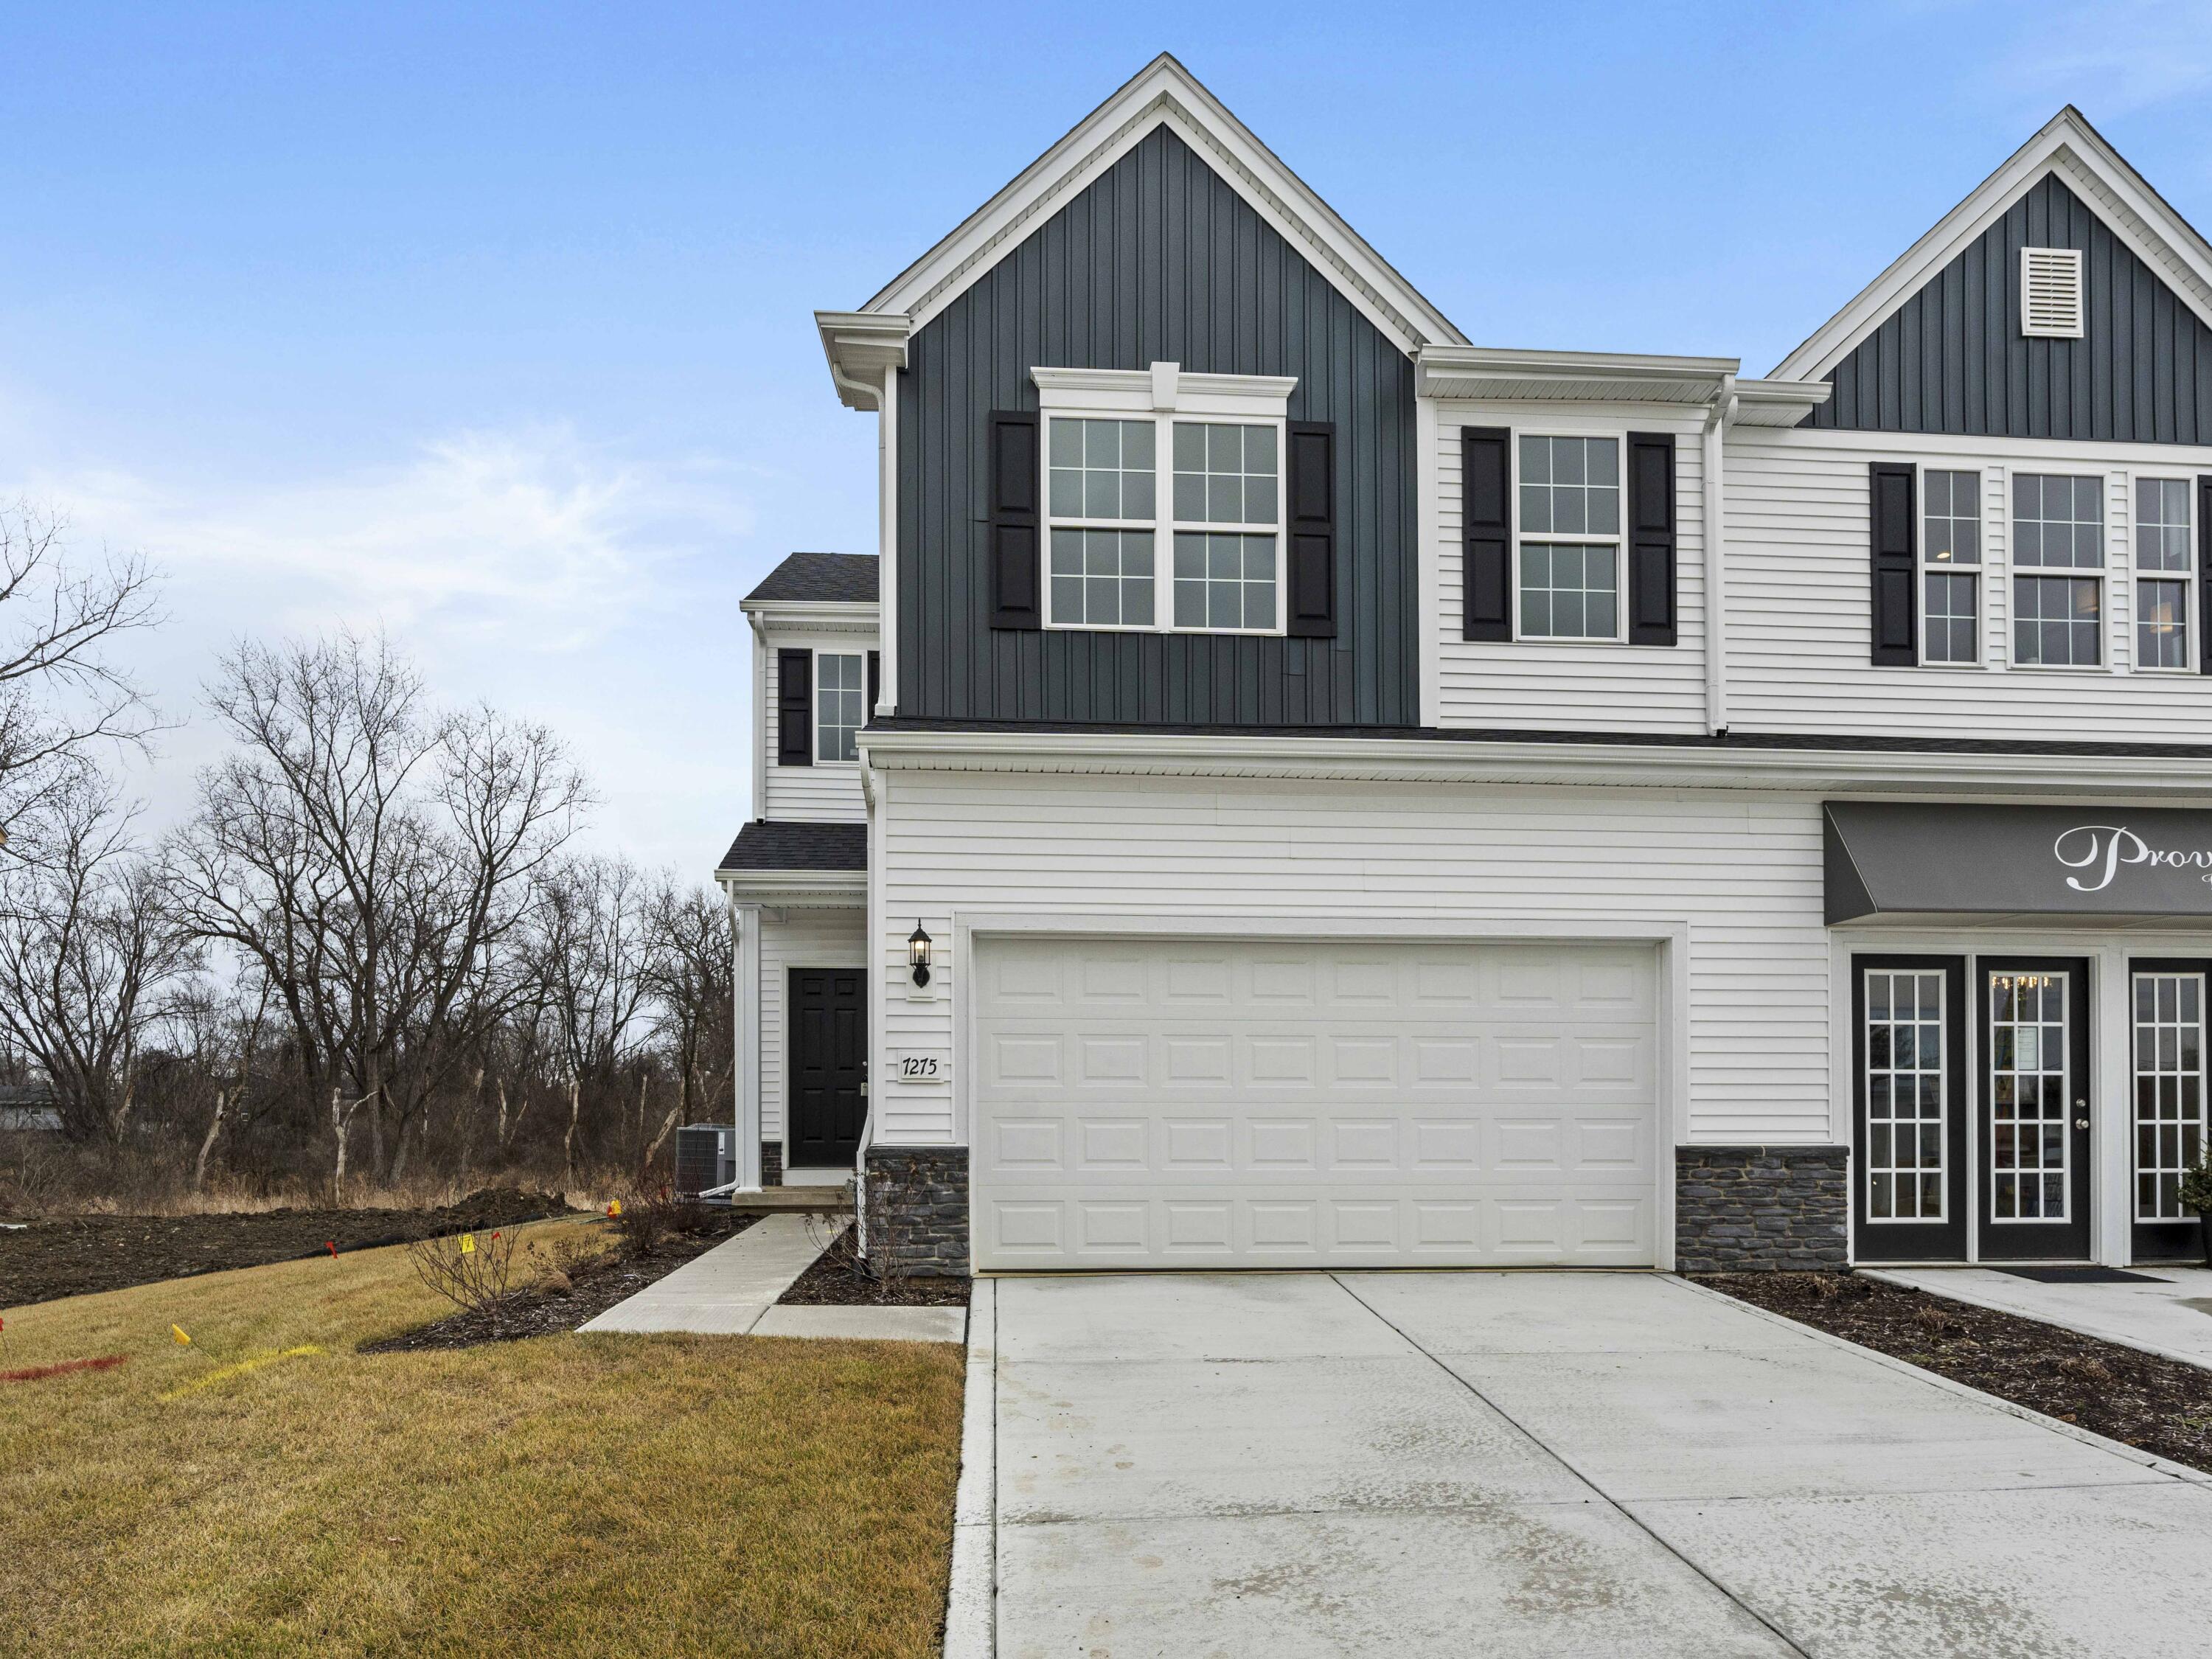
(251, 1363)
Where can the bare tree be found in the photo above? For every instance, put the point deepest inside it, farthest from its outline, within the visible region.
(62, 698)
(590, 962)
(374, 859)
(690, 967)
(91, 944)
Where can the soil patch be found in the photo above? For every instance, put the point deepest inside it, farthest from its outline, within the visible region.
(836, 1281)
(2162, 1406)
(593, 1287)
(79, 1254)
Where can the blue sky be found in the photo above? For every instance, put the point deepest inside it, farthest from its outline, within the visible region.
(493, 324)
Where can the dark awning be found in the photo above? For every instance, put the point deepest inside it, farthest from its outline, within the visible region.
(1885, 858)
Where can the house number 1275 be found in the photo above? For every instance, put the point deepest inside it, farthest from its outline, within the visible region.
(920, 1068)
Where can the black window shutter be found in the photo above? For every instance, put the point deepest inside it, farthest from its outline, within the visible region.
(1016, 599)
(1651, 539)
(1309, 589)
(875, 686)
(1486, 497)
(1895, 526)
(794, 708)
(2204, 572)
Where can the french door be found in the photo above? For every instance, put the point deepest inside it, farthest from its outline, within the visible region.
(2035, 1108)
(2167, 1011)
(1909, 1100)
(1970, 1102)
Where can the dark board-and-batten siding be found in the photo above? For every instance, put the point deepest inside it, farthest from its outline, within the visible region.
(1159, 260)
(1952, 358)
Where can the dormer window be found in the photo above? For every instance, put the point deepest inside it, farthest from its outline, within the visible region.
(2050, 293)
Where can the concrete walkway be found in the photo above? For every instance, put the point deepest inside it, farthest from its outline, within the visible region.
(732, 1291)
(2168, 1312)
(1529, 1464)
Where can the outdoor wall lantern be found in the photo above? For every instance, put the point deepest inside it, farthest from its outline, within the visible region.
(917, 953)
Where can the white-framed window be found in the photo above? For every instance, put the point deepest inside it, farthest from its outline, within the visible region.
(1950, 567)
(2169, 1068)
(1907, 1079)
(1102, 501)
(841, 679)
(2165, 572)
(1110, 511)
(1228, 520)
(1567, 580)
(2058, 537)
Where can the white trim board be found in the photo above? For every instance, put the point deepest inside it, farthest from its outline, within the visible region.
(1165, 94)
(2069, 147)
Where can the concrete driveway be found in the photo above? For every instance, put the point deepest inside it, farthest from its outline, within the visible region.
(1527, 1464)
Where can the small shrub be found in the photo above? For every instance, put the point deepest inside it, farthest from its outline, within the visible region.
(647, 1218)
(839, 1241)
(475, 1279)
(1934, 1319)
(2086, 1368)
(2197, 1187)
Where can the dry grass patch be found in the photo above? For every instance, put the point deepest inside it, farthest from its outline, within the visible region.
(572, 1495)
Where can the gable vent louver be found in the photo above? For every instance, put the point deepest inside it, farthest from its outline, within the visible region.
(2050, 293)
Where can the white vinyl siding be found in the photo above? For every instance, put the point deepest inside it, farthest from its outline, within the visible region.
(823, 792)
(1799, 607)
(797, 939)
(1741, 874)
(1571, 684)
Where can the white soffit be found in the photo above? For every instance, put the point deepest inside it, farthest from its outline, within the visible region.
(1165, 94)
(2069, 147)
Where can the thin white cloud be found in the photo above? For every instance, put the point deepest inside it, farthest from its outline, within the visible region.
(530, 539)
(562, 581)
(2112, 59)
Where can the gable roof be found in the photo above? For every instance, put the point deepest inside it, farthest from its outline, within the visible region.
(1165, 94)
(819, 578)
(2068, 146)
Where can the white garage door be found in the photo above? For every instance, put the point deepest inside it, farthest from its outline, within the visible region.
(1144, 1103)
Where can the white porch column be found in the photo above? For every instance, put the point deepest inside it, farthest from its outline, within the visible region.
(2112, 1109)
(748, 978)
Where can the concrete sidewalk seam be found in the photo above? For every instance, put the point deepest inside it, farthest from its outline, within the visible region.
(1612, 1503)
(2026, 1413)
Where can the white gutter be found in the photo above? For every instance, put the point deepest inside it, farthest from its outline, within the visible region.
(1567, 760)
(1717, 421)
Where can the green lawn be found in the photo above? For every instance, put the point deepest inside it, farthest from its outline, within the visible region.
(565, 1495)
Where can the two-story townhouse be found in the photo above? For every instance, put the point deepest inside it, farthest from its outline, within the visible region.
(1337, 795)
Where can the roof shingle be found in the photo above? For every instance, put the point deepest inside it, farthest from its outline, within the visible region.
(821, 579)
(778, 844)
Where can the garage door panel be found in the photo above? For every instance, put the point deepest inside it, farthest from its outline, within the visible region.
(1148, 1104)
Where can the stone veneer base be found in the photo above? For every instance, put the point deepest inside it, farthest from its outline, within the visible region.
(1761, 1209)
(771, 1163)
(917, 1210)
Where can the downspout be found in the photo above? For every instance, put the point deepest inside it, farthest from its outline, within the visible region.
(761, 726)
(887, 541)
(1718, 419)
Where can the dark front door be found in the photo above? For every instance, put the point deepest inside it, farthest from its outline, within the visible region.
(2035, 1108)
(1909, 1094)
(829, 1067)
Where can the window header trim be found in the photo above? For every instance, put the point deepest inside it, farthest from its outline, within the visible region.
(1162, 389)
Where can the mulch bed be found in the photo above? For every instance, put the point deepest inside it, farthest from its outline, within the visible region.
(2162, 1406)
(834, 1281)
(83, 1253)
(594, 1287)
